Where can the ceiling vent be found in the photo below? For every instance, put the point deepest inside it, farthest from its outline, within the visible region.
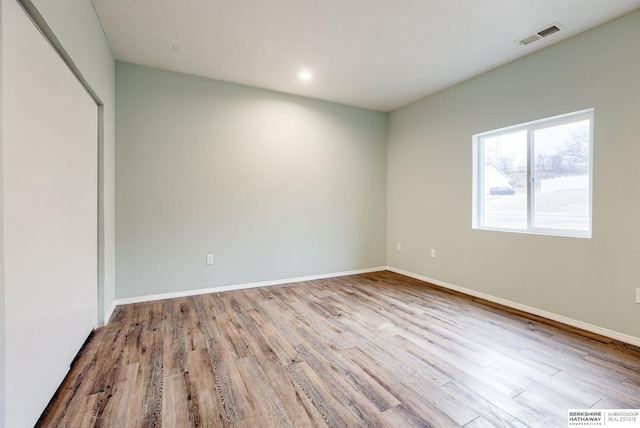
(547, 31)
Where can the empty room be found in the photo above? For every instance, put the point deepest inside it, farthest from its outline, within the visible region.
(319, 214)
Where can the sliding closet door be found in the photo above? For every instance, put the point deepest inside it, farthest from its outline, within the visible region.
(50, 179)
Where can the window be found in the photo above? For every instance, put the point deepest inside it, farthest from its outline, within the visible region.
(535, 177)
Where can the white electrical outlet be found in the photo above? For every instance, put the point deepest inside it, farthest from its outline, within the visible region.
(209, 259)
(433, 252)
(399, 246)
(637, 295)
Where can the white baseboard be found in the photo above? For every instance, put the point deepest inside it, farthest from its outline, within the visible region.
(539, 312)
(107, 316)
(153, 297)
(529, 309)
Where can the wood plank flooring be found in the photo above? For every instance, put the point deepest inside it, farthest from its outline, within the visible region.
(378, 350)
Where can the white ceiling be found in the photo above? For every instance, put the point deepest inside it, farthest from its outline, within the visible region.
(376, 54)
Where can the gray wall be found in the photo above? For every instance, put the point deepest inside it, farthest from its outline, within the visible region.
(275, 186)
(429, 181)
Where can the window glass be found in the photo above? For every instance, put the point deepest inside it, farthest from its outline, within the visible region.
(561, 185)
(535, 177)
(505, 181)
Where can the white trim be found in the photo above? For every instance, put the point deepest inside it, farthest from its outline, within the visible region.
(153, 297)
(534, 311)
(112, 308)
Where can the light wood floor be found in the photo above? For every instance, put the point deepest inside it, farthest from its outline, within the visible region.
(368, 350)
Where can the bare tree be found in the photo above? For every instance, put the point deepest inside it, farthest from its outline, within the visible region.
(574, 155)
(505, 163)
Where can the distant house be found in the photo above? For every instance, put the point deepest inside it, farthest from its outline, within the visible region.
(495, 177)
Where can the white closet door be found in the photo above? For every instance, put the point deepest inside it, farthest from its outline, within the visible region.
(50, 189)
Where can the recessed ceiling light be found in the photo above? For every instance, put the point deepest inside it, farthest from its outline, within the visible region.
(305, 75)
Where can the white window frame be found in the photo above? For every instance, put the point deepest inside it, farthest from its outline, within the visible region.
(530, 128)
